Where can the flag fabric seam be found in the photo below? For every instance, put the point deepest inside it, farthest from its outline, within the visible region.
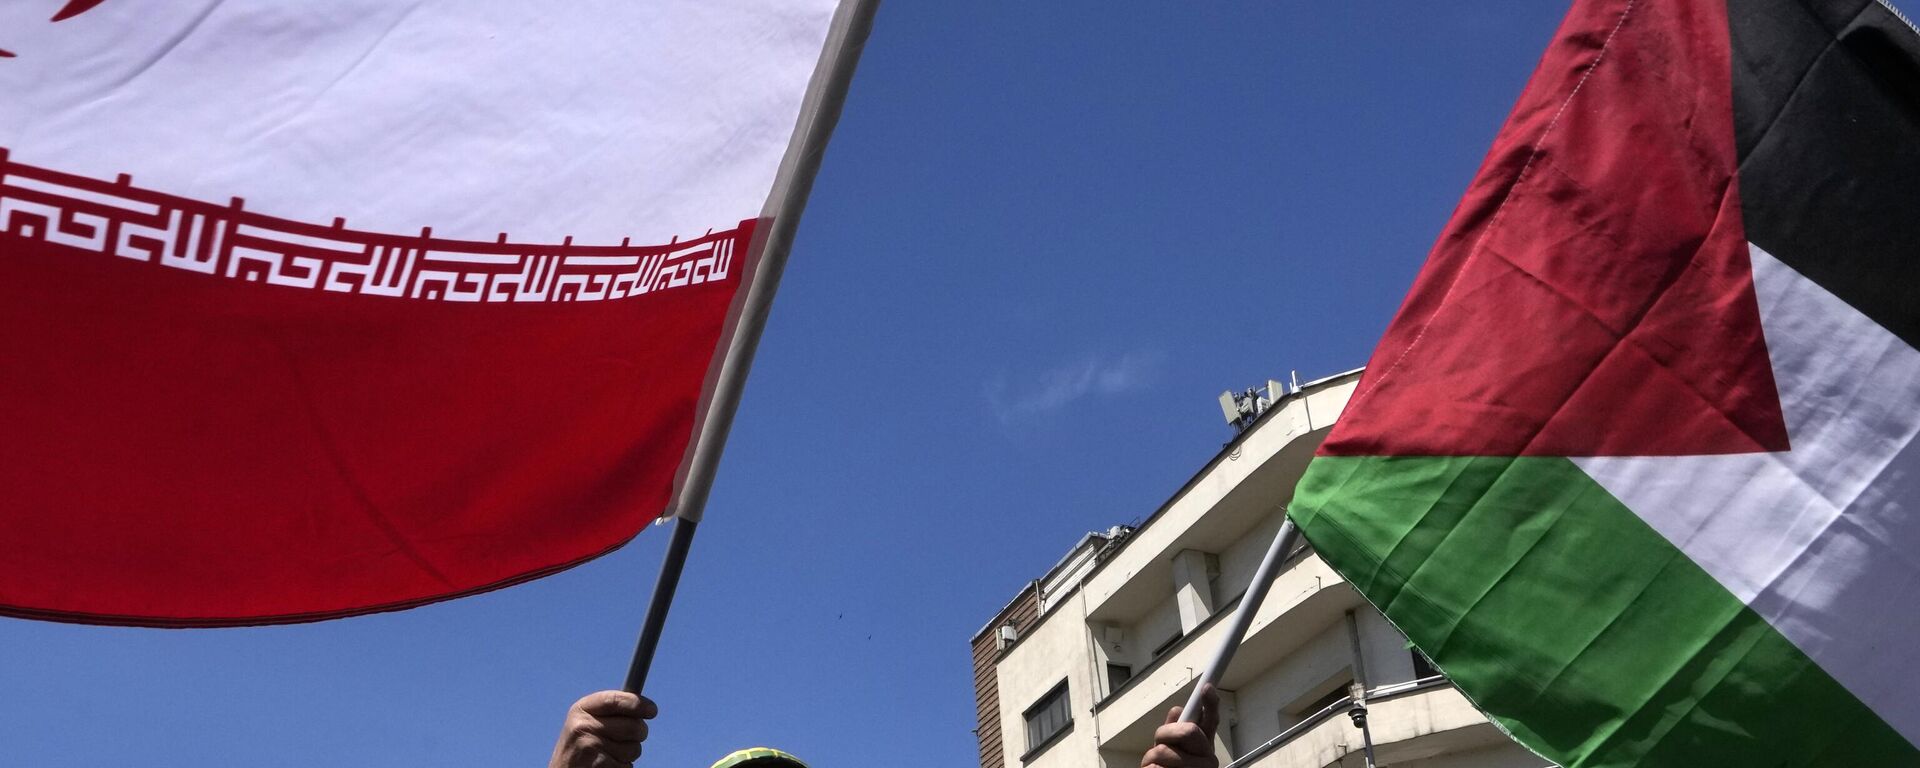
(1899, 15)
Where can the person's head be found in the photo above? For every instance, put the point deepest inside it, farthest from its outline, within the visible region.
(760, 757)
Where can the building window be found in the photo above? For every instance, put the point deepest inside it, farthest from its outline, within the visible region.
(1161, 649)
(1049, 717)
(1326, 700)
(1423, 667)
(1117, 676)
(1316, 699)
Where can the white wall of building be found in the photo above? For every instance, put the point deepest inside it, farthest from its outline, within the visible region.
(1238, 560)
(1055, 649)
(1388, 660)
(1499, 756)
(1268, 702)
(1199, 553)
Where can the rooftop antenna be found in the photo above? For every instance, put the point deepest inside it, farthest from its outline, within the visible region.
(1242, 408)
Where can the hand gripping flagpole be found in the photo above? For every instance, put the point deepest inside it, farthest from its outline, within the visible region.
(1243, 615)
(819, 112)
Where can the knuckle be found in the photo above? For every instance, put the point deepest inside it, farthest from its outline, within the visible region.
(601, 702)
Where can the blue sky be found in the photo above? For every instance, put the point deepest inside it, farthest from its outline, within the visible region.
(1046, 237)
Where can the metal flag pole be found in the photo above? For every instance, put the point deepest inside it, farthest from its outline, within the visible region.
(1243, 615)
(819, 112)
(663, 590)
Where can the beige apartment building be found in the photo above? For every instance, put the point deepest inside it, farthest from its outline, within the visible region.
(1083, 664)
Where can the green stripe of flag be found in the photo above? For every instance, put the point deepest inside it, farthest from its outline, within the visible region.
(1547, 600)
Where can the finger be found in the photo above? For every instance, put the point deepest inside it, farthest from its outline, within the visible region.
(604, 760)
(1209, 710)
(627, 729)
(1173, 716)
(624, 751)
(1184, 737)
(1161, 756)
(616, 703)
(586, 750)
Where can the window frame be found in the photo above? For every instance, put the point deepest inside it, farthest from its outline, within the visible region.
(1031, 717)
(1168, 646)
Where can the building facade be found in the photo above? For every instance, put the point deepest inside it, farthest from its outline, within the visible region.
(1082, 665)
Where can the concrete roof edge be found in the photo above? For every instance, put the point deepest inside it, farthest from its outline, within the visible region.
(1305, 389)
(1002, 613)
(1225, 450)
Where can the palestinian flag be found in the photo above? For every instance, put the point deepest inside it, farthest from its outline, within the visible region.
(1636, 464)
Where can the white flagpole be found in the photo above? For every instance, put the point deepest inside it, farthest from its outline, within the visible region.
(779, 220)
(1243, 615)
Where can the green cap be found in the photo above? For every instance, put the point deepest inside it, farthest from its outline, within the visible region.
(760, 757)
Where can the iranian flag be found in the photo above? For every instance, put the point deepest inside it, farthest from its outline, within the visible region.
(311, 308)
(1636, 464)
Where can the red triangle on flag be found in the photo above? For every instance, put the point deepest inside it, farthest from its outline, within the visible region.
(1592, 295)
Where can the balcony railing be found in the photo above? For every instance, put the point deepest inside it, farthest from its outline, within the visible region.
(1340, 707)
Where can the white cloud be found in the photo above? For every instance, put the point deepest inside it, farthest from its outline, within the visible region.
(1064, 385)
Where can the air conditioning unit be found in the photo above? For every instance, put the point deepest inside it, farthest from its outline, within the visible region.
(1008, 636)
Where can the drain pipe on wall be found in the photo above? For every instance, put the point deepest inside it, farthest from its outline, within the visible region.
(1093, 674)
(1359, 689)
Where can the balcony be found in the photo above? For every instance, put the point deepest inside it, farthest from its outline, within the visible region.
(1243, 486)
(1307, 597)
(1409, 722)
